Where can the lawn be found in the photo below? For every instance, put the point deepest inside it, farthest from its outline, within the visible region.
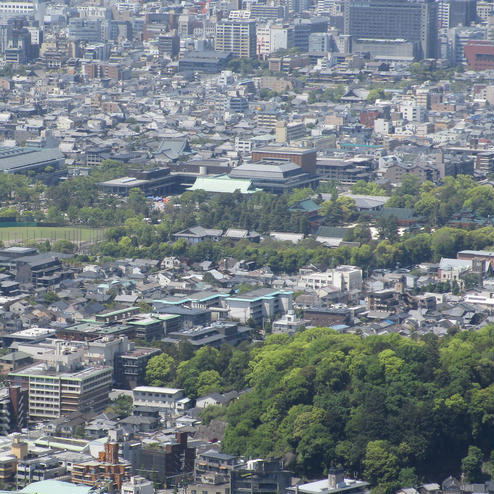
(15, 234)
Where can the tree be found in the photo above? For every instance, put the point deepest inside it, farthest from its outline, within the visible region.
(50, 297)
(64, 246)
(80, 432)
(137, 201)
(479, 199)
(208, 381)
(368, 188)
(160, 369)
(471, 465)
(375, 94)
(122, 406)
(388, 228)
(381, 465)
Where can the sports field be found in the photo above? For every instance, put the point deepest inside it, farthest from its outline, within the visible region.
(15, 234)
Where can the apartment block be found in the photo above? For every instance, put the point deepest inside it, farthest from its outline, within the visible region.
(53, 393)
(237, 37)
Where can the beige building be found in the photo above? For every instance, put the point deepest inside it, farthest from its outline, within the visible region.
(236, 36)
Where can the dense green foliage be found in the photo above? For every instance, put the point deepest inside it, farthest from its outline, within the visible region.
(122, 406)
(205, 371)
(389, 408)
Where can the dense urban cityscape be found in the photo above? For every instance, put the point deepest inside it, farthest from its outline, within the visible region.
(246, 246)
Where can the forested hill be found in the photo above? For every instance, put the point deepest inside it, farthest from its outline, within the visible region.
(392, 410)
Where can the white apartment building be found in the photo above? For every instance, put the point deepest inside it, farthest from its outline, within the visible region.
(342, 277)
(242, 145)
(167, 399)
(18, 7)
(413, 112)
(53, 394)
(484, 10)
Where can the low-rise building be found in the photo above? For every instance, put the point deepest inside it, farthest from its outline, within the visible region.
(172, 400)
(342, 277)
(259, 305)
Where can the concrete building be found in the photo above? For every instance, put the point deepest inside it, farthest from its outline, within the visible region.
(237, 37)
(54, 392)
(320, 42)
(336, 483)
(260, 476)
(88, 30)
(25, 159)
(275, 175)
(286, 132)
(394, 19)
(137, 485)
(342, 277)
(172, 400)
(281, 37)
(157, 181)
(305, 158)
(413, 112)
(259, 305)
(480, 55)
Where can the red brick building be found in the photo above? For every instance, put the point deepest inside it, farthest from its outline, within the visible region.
(480, 54)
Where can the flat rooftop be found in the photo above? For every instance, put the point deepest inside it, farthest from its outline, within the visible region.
(41, 369)
(32, 333)
(157, 389)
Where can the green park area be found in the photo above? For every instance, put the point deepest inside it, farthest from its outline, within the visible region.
(24, 234)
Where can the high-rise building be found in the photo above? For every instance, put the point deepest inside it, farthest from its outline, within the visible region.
(452, 13)
(413, 20)
(281, 37)
(237, 37)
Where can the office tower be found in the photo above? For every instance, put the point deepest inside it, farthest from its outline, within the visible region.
(452, 13)
(281, 37)
(462, 12)
(412, 20)
(85, 30)
(237, 37)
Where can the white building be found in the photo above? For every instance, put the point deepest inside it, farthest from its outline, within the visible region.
(18, 7)
(167, 399)
(242, 145)
(53, 394)
(259, 305)
(281, 37)
(263, 35)
(289, 323)
(452, 269)
(342, 277)
(382, 126)
(137, 485)
(413, 112)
